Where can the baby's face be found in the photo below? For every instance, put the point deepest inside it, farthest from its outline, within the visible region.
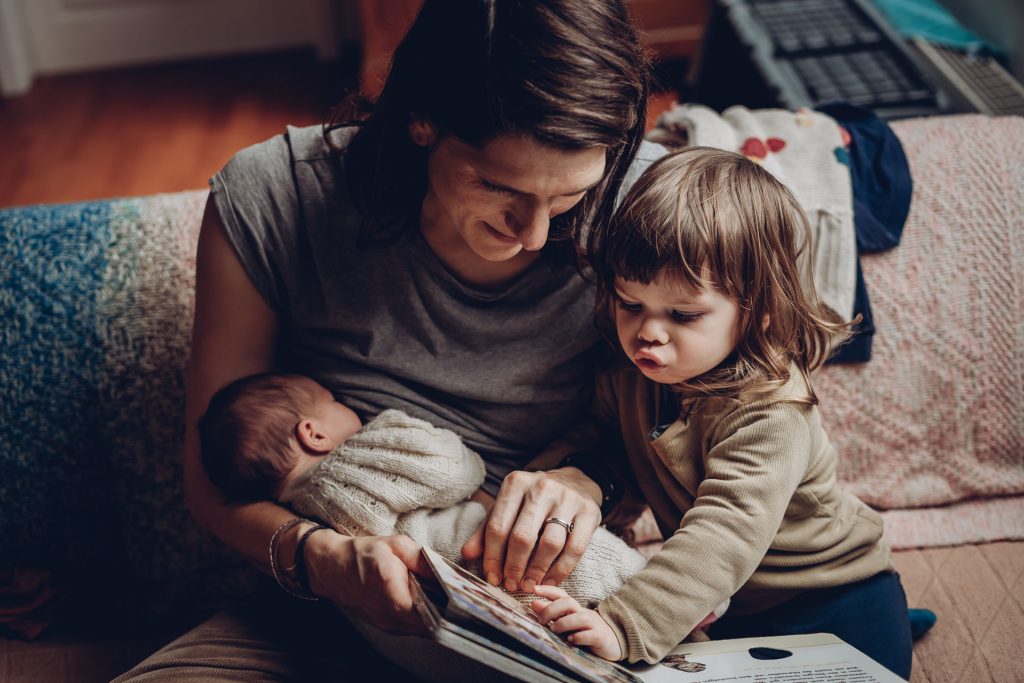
(335, 421)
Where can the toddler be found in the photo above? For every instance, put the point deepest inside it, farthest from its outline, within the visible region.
(705, 288)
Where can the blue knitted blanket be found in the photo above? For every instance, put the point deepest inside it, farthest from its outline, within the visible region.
(96, 303)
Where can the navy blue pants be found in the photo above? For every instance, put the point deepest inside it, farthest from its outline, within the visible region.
(871, 615)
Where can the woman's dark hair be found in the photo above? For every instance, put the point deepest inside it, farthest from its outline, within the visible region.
(569, 73)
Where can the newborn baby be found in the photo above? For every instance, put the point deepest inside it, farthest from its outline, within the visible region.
(285, 437)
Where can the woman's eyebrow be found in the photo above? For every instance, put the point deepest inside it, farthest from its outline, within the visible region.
(508, 188)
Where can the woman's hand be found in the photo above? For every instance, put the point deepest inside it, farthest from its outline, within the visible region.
(369, 576)
(519, 548)
(585, 627)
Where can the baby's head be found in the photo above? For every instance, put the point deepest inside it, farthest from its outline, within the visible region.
(260, 429)
(704, 274)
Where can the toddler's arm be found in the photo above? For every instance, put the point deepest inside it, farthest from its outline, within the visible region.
(758, 456)
(585, 627)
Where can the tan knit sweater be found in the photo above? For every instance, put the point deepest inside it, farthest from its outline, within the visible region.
(747, 499)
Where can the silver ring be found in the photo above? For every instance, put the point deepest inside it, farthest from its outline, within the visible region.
(569, 526)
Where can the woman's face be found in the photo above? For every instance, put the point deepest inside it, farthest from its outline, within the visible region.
(495, 203)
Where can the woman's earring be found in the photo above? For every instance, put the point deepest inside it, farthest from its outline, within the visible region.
(422, 133)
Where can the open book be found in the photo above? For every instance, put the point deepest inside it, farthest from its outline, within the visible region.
(471, 617)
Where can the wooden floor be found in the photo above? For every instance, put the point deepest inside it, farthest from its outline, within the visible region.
(977, 591)
(160, 128)
(154, 129)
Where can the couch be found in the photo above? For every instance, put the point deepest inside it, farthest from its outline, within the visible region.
(100, 563)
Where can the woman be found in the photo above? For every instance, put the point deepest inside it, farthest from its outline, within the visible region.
(422, 259)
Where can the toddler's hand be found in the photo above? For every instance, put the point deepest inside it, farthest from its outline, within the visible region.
(585, 627)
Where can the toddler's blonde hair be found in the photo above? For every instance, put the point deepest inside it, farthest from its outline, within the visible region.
(705, 217)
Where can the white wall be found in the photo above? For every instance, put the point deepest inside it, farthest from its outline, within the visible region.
(15, 61)
(59, 36)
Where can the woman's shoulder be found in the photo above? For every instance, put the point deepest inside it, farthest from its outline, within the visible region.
(319, 143)
(273, 161)
(265, 163)
(280, 201)
(274, 184)
(647, 154)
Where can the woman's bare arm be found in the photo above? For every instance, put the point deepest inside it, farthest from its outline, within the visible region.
(234, 336)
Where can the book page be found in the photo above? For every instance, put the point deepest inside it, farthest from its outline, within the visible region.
(815, 658)
(472, 600)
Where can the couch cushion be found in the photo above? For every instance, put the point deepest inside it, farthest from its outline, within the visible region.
(96, 300)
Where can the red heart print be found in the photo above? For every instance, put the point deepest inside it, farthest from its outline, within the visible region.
(752, 147)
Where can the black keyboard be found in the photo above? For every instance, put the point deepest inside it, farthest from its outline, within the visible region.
(809, 26)
(978, 82)
(814, 51)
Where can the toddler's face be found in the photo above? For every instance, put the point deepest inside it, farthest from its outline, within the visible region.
(672, 333)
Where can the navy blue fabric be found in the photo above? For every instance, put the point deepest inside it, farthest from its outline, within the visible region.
(871, 615)
(882, 188)
(858, 349)
(879, 174)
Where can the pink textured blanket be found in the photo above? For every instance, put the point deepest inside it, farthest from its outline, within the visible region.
(932, 429)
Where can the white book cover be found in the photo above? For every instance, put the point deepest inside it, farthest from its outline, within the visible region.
(812, 658)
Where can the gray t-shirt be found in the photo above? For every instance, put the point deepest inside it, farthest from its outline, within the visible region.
(388, 326)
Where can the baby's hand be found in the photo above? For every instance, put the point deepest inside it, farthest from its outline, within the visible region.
(585, 627)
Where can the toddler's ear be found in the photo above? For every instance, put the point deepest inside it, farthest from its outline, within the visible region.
(312, 437)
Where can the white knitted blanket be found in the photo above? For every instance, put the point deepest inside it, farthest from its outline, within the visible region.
(401, 475)
(394, 465)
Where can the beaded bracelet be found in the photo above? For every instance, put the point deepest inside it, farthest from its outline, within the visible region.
(301, 575)
(276, 571)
